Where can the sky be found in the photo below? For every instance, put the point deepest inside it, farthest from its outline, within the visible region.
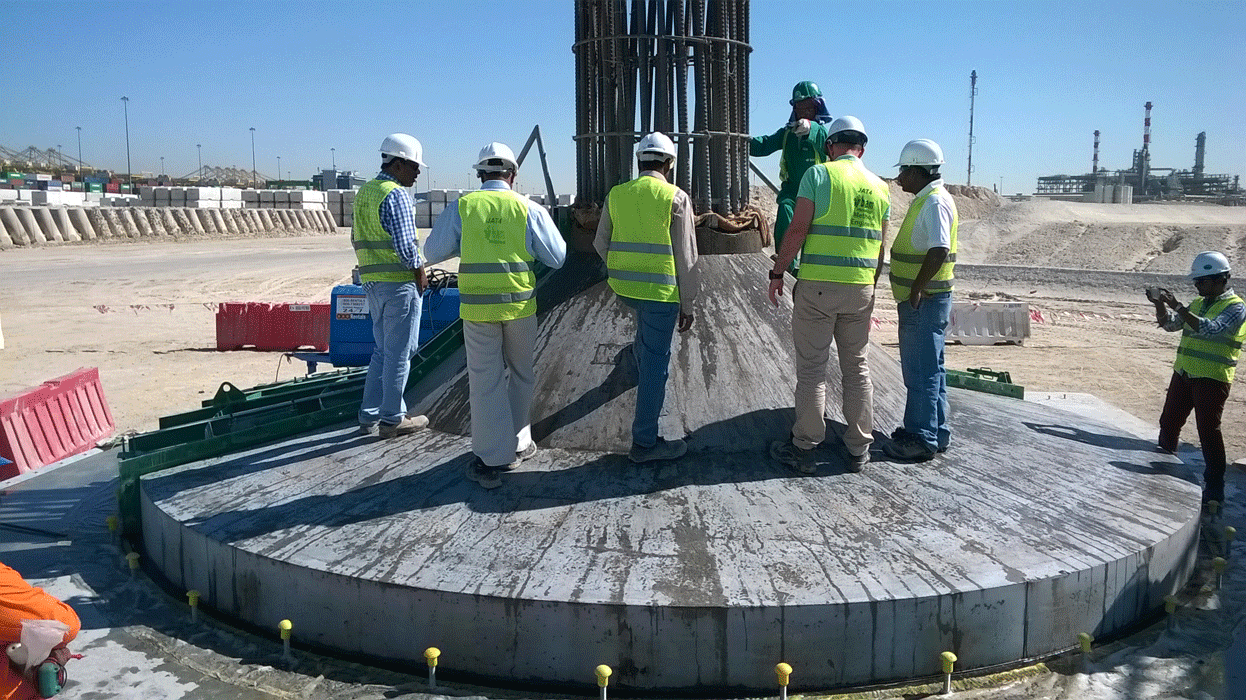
(323, 82)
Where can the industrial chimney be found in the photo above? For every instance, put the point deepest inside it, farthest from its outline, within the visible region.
(1200, 148)
(1094, 165)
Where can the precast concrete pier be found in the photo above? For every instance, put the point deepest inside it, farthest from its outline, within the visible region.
(697, 575)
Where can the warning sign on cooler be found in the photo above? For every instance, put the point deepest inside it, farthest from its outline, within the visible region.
(351, 307)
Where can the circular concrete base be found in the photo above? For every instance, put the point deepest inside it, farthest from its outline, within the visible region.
(690, 575)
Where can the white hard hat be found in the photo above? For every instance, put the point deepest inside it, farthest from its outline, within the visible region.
(849, 124)
(403, 146)
(1208, 262)
(656, 143)
(922, 152)
(496, 151)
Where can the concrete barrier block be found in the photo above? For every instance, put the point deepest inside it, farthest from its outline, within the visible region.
(231, 204)
(308, 196)
(281, 196)
(231, 194)
(198, 194)
(203, 203)
(146, 192)
(250, 195)
(8, 195)
(566, 200)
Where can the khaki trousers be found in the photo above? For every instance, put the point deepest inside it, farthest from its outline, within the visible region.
(824, 312)
(501, 380)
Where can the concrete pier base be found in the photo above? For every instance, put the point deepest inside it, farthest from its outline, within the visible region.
(697, 575)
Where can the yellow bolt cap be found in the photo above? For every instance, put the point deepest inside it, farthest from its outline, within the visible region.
(431, 654)
(132, 557)
(193, 596)
(1219, 564)
(1085, 640)
(603, 675)
(113, 523)
(1230, 532)
(782, 671)
(949, 659)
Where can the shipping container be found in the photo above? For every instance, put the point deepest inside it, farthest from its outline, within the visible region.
(77, 187)
(95, 186)
(43, 176)
(112, 187)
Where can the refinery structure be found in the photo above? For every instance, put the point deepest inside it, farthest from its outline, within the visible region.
(1144, 181)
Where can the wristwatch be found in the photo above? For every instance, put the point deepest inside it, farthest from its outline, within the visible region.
(776, 275)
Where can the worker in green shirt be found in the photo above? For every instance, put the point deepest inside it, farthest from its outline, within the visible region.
(802, 142)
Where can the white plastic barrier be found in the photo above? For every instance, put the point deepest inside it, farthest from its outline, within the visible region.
(989, 322)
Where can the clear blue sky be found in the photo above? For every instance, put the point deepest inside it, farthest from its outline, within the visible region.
(318, 75)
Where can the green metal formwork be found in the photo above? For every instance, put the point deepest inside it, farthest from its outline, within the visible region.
(256, 418)
(974, 379)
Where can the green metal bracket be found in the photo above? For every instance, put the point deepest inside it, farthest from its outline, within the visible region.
(227, 394)
(976, 379)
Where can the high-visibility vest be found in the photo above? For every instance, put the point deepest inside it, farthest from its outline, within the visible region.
(844, 242)
(906, 260)
(1212, 358)
(641, 261)
(496, 277)
(374, 247)
(818, 156)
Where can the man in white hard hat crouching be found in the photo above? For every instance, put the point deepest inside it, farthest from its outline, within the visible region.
(923, 261)
(838, 228)
(498, 235)
(647, 237)
(384, 238)
(1213, 328)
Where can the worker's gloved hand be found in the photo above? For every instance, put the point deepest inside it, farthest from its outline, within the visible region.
(421, 279)
(800, 127)
(685, 321)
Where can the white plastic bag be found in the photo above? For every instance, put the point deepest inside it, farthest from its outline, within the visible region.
(40, 637)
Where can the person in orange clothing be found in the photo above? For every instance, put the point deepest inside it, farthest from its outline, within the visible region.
(21, 601)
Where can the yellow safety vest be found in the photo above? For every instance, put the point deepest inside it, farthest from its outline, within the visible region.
(906, 260)
(1212, 358)
(844, 242)
(496, 277)
(641, 261)
(374, 247)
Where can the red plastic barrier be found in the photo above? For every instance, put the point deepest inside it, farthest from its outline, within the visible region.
(61, 417)
(272, 326)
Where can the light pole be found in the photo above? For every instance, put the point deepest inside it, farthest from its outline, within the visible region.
(162, 165)
(333, 157)
(125, 105)
(79, 147)
(200, 147)
(278, 167)
(253, 178)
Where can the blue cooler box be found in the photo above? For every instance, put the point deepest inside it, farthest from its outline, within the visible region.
(350, 328)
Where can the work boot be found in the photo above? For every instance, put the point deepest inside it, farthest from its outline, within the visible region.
(367, 428)
(406, 426)
(909, 448)
(481, 473)
(856, 463)
(661, 450)
(784, 452)
(527, 453)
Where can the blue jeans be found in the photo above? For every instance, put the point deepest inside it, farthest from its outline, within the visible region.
(655, 326)
(921, 363)
(395, 308)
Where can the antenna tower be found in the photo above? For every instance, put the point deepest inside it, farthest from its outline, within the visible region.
(973, 91)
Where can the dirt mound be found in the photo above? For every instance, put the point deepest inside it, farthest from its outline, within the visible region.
(971, 202)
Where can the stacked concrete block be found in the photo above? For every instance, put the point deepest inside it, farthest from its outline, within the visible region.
(307, 200)
(341, 204)
(203, 197)
(231, 198)
(56, 198)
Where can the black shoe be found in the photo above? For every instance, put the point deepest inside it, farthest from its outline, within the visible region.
(909, 449)
(481, 473)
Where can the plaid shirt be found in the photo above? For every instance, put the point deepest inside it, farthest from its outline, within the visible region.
(398, 220)
(1226, 322)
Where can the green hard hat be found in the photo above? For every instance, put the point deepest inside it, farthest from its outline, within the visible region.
(804, 90)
